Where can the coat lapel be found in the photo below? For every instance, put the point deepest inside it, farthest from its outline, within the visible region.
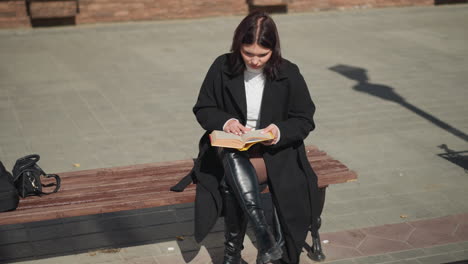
(268, 100)
(267, 104)
(236, 88)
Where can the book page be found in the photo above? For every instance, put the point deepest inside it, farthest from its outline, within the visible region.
(223, 139)
(224, 135)
(256, 135)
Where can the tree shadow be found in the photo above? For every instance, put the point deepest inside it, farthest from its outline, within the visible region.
(388, 93)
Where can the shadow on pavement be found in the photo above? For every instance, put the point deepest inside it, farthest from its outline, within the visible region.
(459, 158)
(388, 93)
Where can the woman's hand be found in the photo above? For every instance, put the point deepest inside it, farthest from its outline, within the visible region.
(275, 131)
(233, 126)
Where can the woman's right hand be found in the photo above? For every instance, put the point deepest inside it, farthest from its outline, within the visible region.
(233, 126)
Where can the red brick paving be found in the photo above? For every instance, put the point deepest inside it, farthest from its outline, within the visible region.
(395, 237)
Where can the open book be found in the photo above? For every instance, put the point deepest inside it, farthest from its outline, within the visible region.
(243, 142)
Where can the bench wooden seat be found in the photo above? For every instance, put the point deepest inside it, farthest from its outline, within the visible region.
(97, 191)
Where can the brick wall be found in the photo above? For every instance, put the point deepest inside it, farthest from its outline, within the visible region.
(92, 11)
(13, 12)
(315, 5)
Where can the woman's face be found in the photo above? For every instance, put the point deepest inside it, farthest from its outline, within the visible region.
(254, 55)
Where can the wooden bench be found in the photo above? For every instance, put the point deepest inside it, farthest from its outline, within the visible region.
(97, 191)
(121, 207)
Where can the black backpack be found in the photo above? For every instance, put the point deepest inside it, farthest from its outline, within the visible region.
(9, 198)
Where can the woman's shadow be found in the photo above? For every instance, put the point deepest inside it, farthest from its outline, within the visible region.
(388, 93)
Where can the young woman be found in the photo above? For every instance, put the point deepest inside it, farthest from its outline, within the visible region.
(253, 87)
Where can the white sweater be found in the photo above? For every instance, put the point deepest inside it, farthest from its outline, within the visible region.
(254, 82)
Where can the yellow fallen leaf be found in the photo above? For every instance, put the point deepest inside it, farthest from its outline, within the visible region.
(76, 165)
(109, 250)
(403, 216)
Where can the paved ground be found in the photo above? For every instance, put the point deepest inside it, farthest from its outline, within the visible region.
(390, 86)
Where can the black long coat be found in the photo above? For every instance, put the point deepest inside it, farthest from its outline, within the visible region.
(286, 103)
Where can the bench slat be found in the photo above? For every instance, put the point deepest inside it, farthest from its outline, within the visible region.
(33, 215)
(98, 191)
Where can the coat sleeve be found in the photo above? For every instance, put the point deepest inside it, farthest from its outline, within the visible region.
(207, 109)
(301, 111)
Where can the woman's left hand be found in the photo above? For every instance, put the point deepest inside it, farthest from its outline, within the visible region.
(274, 130)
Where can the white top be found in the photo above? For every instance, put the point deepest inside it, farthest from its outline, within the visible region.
(254, 82)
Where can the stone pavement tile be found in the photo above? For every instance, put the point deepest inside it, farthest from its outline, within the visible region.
(373, 259)
(393, 231)
(214, 239)
(333, 252)
(350, 221)
(195, 257)
(188, 243)
(101, 256)
(462, 218)
(462, 231)
(350, 239)
(168, 247)
(343, 261)
(407, 254)
(55, 260)
(249, 256)
(143, 251)
(405, 261)
(175, 259)
(464, 244)
(417, 211)
(388, 216)
(375, 245)
(215, 255)
(425, 237)
(460, 255)
(141, 260)
(442, 249)
(444, 225)
(392, 240)
(437, 259)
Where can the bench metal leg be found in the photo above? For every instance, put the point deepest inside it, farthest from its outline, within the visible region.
(316, 253)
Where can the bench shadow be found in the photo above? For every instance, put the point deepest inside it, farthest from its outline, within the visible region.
(214, 248)
(388, 93)
(459, 158)
(109, 233)
(214, 242)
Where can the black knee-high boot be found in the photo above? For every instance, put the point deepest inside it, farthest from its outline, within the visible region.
(242, 179)
(235, 225)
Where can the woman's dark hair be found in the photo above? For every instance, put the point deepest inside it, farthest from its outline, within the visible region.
(259, 28)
